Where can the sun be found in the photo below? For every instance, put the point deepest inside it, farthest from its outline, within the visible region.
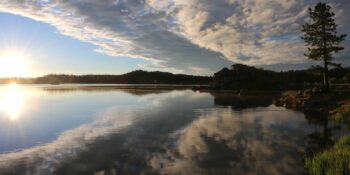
(13, 64)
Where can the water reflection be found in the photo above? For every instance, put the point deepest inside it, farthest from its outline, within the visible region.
(12, 100)
(242, 102)
(116, 127)
(323, 137)
(172, 132)
(136, 91)
(227, 142)
(40, 159)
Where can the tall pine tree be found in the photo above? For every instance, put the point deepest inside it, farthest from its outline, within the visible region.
(321, 37)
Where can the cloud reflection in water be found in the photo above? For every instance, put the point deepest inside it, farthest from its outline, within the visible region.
(42, 159)
(116, 120)
(269, 141)
(179, 132)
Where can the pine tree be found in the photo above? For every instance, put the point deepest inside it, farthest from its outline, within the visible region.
(321, 37)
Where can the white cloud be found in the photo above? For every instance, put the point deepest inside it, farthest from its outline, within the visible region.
(180, 35)
(255, 32)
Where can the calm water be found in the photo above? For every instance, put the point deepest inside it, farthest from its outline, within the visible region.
(111, 131)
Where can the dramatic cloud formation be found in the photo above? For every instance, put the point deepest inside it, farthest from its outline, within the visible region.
(197, 36)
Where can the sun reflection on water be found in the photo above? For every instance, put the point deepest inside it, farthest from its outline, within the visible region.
(12, 100)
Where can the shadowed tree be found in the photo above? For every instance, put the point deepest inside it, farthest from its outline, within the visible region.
(321, 37)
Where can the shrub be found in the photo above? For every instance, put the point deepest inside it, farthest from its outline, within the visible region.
(342, 114)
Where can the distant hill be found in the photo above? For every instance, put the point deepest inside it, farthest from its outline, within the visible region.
(241, 76)
(134, 77)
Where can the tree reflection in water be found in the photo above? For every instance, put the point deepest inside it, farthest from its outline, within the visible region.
(324, 136)
(239, 102)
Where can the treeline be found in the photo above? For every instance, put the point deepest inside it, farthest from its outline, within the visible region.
(135, 77)
(246, 77)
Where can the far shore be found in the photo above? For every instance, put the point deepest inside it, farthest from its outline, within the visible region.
(120, 86)
(289, 98)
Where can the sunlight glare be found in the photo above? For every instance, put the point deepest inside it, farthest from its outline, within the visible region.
(12, 101)
(13, 64)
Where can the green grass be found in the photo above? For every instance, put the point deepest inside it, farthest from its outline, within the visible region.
(334, 161)
(342, 114)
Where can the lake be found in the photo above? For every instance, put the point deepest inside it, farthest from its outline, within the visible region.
(112, 131)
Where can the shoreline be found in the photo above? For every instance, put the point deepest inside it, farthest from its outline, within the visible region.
(314, 101)
(108, 86)
(301, 100)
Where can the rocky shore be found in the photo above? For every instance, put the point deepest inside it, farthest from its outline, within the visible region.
(315, 99)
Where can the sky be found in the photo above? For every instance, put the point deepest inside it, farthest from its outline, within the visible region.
(180, 36)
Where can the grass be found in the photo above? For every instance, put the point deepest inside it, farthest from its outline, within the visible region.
(342, 114)
(334, 161)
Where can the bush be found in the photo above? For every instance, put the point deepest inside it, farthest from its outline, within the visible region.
(342, 114)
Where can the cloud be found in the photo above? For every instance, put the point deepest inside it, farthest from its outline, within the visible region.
(254, 32)
(197, 36)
